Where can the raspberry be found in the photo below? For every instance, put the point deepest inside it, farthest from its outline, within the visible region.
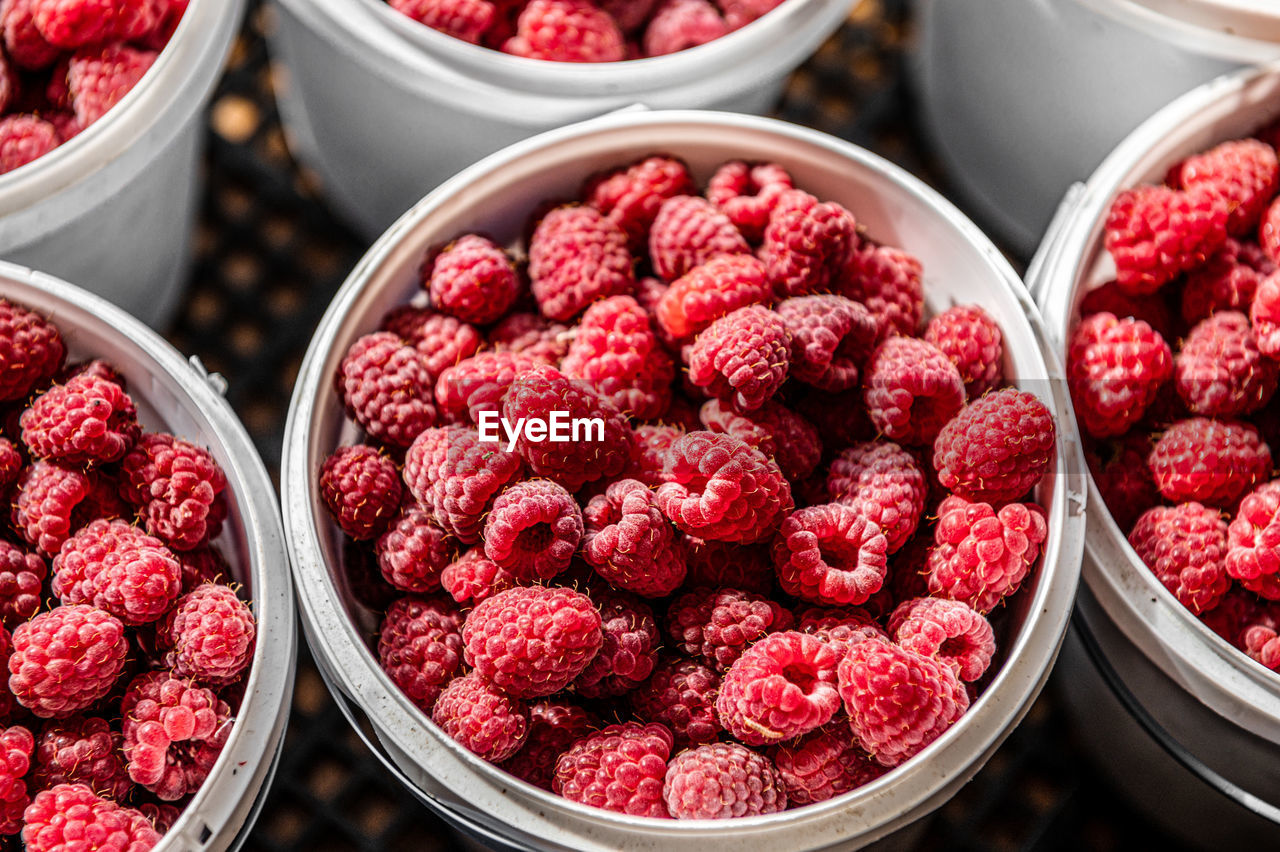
(1185, 547)
(1226, 282)
(1244, 172)
(971, 339)
(1253, 539)
(781, 687)
(73, 23)
(472, 577)
(386, 387)
(553, 727)
(1155, 233)
(1115, 368)
(440, 339)
(66, 659)
(23, 43)
(949, 631)
(456, 476)
(748, 194)
(99, 77)
(86, 421)
(723, 781)
(119, 569)
(839, 627)
(739, 13)
(1208, 461)
(883, 483)
(31, 351)
(983, 555)
(208, 636)
(689, 231)
(81, 750)
(413, 552)
(629, 650)
(823, 765)
(566, 31)
(718, 564)
(484, 720)
(22, 577)
(23, 138)
(912, 390)
(420, 647)
(464, 19)
(577, 256)
(532, 641)
(721, 488)
(718, 624)
(472, 279)
(533, 530)
(681, 694)
(830, 337)
(650, 456)
(889, 282)
(681, 24)
(898, 701)
(16, 745)
(708, 292)
(631, 196)
(11, 463)
(830, 554)
(361, 488)
(173, 733)
(778, 432)
(1269, 232)
(997, 448)
(1124, 480)
(620, 768)
(616, 352)
(743, 356)
(1109, 298)
(63, 816)
(1220, 372)
(630, 543)
(1264, 312)
(807, 246)
(50, 505)
(174, 485)
(532, 336)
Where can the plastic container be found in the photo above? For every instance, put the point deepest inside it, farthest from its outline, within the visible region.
(1161, 695)
(1020, 98)
(384, 108)
(495, 195)
(115, 206)
(177, 395)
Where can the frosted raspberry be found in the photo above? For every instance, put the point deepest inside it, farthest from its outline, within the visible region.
(1244, 172)
(1185, 547)
(1115, 368)
(830, 554)
(997, 448)
(1208, 461)
(1220, 372)
(72, 23)
(472, 577)
(23, 43)
(81, 750)
(616, 352)
(173, 733)
(748, 193)
(472, 279)
(31, 351)
(414, 551)
(99, 77)
(882, 482)
(629, 650)
(118, 568)
(456, 476)
(361, 489)
(208, 636)
(708, 292)
(807, 245)
(175, 485)
(464, 19)
(716, 625)
(533, 530)
(1264, 312)
(1155, 233)
(1253, 539)
(22, 577)
(739, 13)
(480, 717)
(912, 390)
(971, 339)
(420, 647)
(532, 336)
(983, 555)
(1227, 281)
(630, 543)
(553, 727)
(689, 231)
(681, 24)
(576, 255)
(723, 781)
(889, 282)
(831, 337)
(681, 694)
(23, 138)
(649, 459)
(720, 564)
(1109, 298)
(620, 768)
(949, 631)
(387, 389)
(566, 31)
(823, 765)
(774, 430)
(86, 421)
(781, 687)
(442, 340)
(631, 196)
(66, 659)
(65, 814)
(743, 356)
(1123, 479)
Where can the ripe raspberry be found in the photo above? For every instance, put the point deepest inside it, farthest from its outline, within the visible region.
(739, 13)
(208, 636)
(119, 569)
(1109, 298)
(73, 23)
(532, 336)
(1185, 547)
(1244, 172)
(52, 502)
(66, 659)
(721, 488)
(743, 356)
(81, 750)
(889, 282)
(681, 694)
(719, 564)
(1253, 539)
(717, 288)
(1115, 368)
(23, 138)
(617, 353)
(22, 577)
(174, 484)
(173, 733)
(912, 390)
(781, 687)
(533, 530)
(553, 727)
(63, 816)
(1227, 281)
(619, 769)
(1208, 461)
(567, 31)
(361, 488)
(823, 765)
(23, 43)
(472, 279)
(1124, 480)
(807, 244)
(716, 625)
(1219, 370)
(386, 387)
(420, 647)
(472, 577)
(629, 650)
(689, 231)
(997, 448)
(839, 627)
(1155, 233)
(456, 476)
(630, 542)
(883, 483)
(31, 351)
(99, 77)
(464, 19)
(723, 781)
(1264, 312)
(983, 555)
(631, 196)
(16, 745)
(778, 432)
(748, 194)
(831, 337)
(86, 421)
(949, 631)
(898, 701)
(649, 458)
(1269, 232)
(413, 552)
(971, 339)
(576, 255)
(830, 554)
(532, 641)
(480, 717)
(681, 24)
(440, 339)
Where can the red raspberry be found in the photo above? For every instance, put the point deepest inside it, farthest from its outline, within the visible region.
(778, 432)
(1185, 547)
(576, 255)
(16, 745)
(567, 31)
(66, 659)
(82, 750)
(629, 650)
(898, 701)
(681, 694)
(11, 463)
(472, 577)
(173, 733)
(23, 43)
(619, 769)
(532, 336)
(631, 196)
(362, 490)
(208, 636)
(1209, 461)
(739, 13)
(912, 390)
(823, 765)
(174, 484)
(532, 641)
(889, 282)
(73, 23)
(1124, 480)
(650, 456)
(807, 244)
(719, 564)
(61, 817)
(630, 543)
(718, 624)
(883, 483)
(442, 340)
(23, 138)
(1115, 368)
(830, 554)
(983, 555)
(480, 717)
(86, 421)
(949, 631)
(617, 353)
(420, 647)
(553, 727)
(1219, 370)
(1227, 281)
(119, 569)
(1244, 172)
(99, 77)
(830, 337)
(1155, 233)
(722, 488)
(708, 292)
(681, 24)
(1109, 298)
(386, 387)
(748, 194)
(689, 231)
(456, 476)
(971, 339)
(22, 577)
(1253, 539)
(31, 351)
(1264, 312)
(1269, 232)
(997, 448)
(781, 687)
(723, 781)
(464, 19)
(839, 627)
(413, 552)
(472, 279)
(533, 530)
(52, 502)
(743, 356)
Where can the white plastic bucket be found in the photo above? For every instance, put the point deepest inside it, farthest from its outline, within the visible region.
(1020, 98)
(384, 108)
(495, 196)
(114, 207)
(1187, 724)
(177, 395)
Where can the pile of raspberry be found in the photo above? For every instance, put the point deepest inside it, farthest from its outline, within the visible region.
(585, 30)
(64, 63)
(773, 562)
(123, 642)
(1173, 367)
